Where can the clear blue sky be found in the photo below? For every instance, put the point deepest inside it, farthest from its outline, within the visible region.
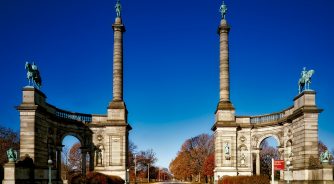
(171, 57)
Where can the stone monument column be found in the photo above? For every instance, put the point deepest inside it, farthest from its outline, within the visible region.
(113, 135)
(117, 109)
(225, 126)
(224, 85)
(225, 110)
(118, 28)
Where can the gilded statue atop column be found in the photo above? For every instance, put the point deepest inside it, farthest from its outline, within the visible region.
(118, 8)
(223, 10)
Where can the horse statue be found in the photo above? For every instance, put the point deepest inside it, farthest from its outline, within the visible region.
(33, 75)
(305, 80)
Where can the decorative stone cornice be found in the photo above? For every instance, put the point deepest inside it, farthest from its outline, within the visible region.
(224, 124)
(111, 123)
(223, 27)
(118, 27)
(117, 105)
(224, 105)
(305, 93)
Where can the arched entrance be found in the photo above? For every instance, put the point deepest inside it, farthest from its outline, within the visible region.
(43, 128)
(71, 158)
(294, 129)
(268, 150)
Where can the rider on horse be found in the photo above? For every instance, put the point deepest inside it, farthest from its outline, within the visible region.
(33, 74)
(305, 80)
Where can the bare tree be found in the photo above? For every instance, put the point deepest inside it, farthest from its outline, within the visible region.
(266, 154)
(8, 139)
(65, 169)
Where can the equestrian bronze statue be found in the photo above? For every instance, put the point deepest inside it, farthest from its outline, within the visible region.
(33, 75)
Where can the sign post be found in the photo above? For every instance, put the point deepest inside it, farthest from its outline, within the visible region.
(272, 170)
(288, 165)
(279, 165)
(276, 165)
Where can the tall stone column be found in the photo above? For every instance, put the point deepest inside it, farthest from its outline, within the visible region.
(225, 127)
(117, 109)
(115, 129)
(224, 69)
(118, 28)
(224, 92)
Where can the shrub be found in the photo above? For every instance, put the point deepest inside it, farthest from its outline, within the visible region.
(96, 178)
(244, 180)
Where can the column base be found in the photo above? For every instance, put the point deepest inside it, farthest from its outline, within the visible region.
(225, 105)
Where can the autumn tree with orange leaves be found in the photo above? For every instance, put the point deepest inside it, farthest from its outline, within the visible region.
(191, 162)
(72, 161)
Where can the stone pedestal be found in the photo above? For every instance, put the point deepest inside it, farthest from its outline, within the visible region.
(31, 143)
(9, 173)
(304, 130)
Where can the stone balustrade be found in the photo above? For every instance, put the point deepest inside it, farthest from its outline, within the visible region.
(86, 118)
(271, 117)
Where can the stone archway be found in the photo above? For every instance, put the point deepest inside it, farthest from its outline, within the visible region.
(44, 126)
(87, 147)
(264, 152)
(237, 138)
(263, 137)
(294, 129)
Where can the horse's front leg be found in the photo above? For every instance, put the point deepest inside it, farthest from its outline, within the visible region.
(34, 83)
(298, 88)
(307, 86)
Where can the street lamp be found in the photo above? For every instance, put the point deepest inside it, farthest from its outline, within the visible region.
(127, 176)
(135, 169)
(50, 174)
(148, 173)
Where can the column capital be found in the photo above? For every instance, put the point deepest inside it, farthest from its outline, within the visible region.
(118, 25)
(223, 27)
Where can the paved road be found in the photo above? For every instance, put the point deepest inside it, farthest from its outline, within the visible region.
(171, 182)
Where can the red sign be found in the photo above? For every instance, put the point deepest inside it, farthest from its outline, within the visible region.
(278, 165)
